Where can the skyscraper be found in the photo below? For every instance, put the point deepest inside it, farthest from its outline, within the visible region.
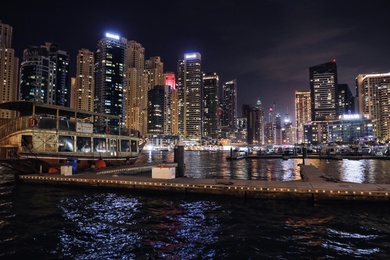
(170, 80)
(37, 76)
(137, 88)
(159, 103)
(83, 90)
(373, 94)
(61, 87)
(110, 76)
(190, 93)
(229, 104)
(345, 100)
(210, 104)
(323, 84)
(302, 112)
(8, 69)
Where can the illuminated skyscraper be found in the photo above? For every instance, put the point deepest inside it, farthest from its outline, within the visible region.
(170, 80)
(37, 76)
(61, 87)
(137, 88)
(210, 104)
(323, 84)
(8, 69)
(159, 103)
(83, 90)
(190, 93)
(302, 112)
(229, 104)
(110, 76)
(154, 69)
(373, 94)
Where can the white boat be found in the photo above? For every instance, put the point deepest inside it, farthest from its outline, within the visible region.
(41, 137)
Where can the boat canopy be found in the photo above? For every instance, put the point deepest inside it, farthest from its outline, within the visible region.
(32, 108)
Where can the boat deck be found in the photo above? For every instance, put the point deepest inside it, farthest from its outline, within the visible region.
(313, 186)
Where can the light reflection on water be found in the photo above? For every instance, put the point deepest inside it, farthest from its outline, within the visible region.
(358, 171)
(53, 222)
(213, 164)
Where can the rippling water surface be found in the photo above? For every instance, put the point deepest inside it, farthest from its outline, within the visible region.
(50, 222)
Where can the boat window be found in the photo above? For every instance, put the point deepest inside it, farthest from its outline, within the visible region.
(84, 144)
(26, 140)
(133, 146)
(125, 145)
(99, 145)
(65, 143)
(112, 147)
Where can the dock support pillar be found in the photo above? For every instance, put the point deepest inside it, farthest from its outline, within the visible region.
(179, 159)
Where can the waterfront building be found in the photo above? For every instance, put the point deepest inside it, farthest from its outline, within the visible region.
(8, 69)
(210, 104)
(373, 94)
(110, 76)
(37, 76)
(323, 86)
(349, 128)
(83, 85)
(170, 80)
(229, 105)
(159, 110)
(302, 112)
(316, 132)
(61, 88)
(190, 95)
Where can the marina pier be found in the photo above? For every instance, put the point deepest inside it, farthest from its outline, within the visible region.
(314, 185)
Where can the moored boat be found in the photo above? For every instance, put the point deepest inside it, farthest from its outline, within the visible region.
(40, 137)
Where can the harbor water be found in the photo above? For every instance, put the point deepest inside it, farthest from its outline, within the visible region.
(59, 222)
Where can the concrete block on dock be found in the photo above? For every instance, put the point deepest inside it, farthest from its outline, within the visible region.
(163, 172)
(306, 161)
(66, 170)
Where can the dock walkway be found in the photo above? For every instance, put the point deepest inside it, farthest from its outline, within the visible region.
(314, 186)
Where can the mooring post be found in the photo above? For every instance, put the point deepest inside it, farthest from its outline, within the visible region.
(179, 158)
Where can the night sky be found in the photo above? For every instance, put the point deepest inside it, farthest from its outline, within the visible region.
(268, 46)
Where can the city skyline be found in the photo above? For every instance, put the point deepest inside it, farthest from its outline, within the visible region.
(268, 49)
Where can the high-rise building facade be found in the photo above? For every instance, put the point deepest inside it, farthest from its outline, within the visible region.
(61, 87)
(229, 104)
(37, 76)
(8, 69)
(83, 89)
(345, 100)
(159, 107)
(373, 94)
(137, 88)
(154, 69)
(210, 104)
(110, 76)
(190, 93)
(170, 80)
(302, 112)
(323, 86)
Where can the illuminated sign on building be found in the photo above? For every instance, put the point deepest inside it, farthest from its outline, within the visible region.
(189, 56)
(350, 116)
(113, 36)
